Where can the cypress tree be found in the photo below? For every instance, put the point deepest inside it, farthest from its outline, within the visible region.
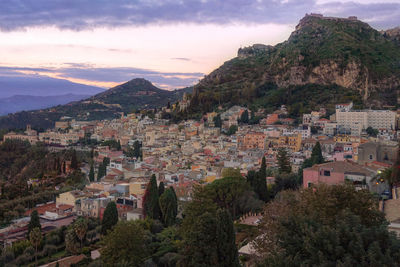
(175, 200)
(251, 177)
(119, 146)
(167, 207)
(263, 168)
(100, 173)
(283, 161)
(316, 155)
(260, 186)
(91, 173)
(150, 200)
(74, 160)
(161, 188)
(110, 217)
(225, 235)
(244, 118)
(34, 222)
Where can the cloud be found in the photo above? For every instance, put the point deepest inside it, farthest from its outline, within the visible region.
(106, 75)
(89, 14)
(181, 58)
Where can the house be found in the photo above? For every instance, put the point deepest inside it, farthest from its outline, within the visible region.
(70, 197)
(339, 172)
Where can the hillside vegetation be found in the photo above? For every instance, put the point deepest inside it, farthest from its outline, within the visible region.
(325, 60)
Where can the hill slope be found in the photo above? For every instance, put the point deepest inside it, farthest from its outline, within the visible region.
(325, 60)
(135, 94)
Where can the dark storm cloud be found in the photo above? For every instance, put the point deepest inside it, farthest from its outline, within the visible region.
(112, 74)
(87, 14)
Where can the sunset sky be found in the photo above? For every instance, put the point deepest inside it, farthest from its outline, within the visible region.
(171, 43)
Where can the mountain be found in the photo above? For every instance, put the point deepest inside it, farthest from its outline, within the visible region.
(28, 102)
(325, 60)
(127, 97)
(38, 85)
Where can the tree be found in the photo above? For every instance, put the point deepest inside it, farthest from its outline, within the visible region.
(199, 243)
(226, 193)
(168, 207)
(226, 246)
(35, 236)
(91, 173)
(325, 226)
(34, 222)
(110, 217)
(263, 168)
(232, 130)
(176, 199)
(80, 228)
(151, 207)
(161, 188)
(100, 172)
(119, 148)
(316, 155)
(231, 172)
(283, 161)
(217, 121)
(371, 131)
(125, 245)
(244, 118)
(260, 186)
(137, 152)
(74, 160)
(395, 175)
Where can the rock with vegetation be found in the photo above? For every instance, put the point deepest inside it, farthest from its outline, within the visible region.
(324, 61)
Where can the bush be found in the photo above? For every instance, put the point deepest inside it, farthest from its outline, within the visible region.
(49, 250)
(29, 251)
(23, 259)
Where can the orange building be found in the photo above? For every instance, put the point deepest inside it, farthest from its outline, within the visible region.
(254, 140)
(272, 118)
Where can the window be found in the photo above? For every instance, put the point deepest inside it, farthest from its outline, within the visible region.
(327, 173)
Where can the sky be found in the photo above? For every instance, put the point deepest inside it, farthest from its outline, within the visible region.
(172, 43)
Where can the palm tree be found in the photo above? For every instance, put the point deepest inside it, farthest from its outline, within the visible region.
(35, 236)
(80, 228)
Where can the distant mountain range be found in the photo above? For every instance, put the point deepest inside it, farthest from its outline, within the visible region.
(127, 97)
(28, 102)
(38, 85)
(325, 60)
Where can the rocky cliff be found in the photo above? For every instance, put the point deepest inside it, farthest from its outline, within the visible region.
(323, 51)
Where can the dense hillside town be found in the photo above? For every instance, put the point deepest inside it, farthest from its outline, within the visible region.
(119, 161)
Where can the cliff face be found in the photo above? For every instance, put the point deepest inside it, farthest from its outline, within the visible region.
(323, 51)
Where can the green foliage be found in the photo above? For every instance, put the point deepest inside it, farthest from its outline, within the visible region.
(231, 172)
(327, 226)
(161, 188)
(110, 217)
(151, 206)
(244, 118)
(80, 228)
(34, 222)
(74, 160)
(225, 235)
(232, 130)
(91, 173)
(283, 161)
(200, 247)
(371, 131)
(168, 207)
(217, 121)
(125, 244)
(316, 155)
